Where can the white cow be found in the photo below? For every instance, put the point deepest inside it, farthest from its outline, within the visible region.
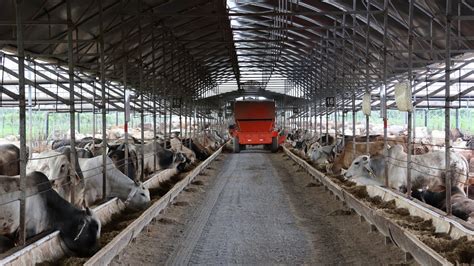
(321, 154)
(365, 170)
(177, 146)
(57, 167)
(427, 169)
(134, 194)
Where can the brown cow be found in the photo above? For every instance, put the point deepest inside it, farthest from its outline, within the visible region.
(344, 159)
(9, 160)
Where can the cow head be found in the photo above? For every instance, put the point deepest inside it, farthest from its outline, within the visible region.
(117, 154)
(181, 160)
(360, 167)
(58, 168)
(138, 197)
(81, 233)
(321, 155)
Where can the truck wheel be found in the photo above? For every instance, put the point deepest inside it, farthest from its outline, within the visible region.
(243, 147)
(274, 144)
(236, 145)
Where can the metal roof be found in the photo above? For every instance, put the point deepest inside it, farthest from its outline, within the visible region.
(188, 49)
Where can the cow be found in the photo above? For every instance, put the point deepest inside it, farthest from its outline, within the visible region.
(117, 153)
(427, 169)
(201, 152)
(325, 140)
(177, 146)
(132, 193)
(462, 206)
(165, 159)
(57, 167)
(80, 152)
(321, 154)
(60, 143)
(343, 158)
(46, 210)
(81, 143)
(366, 170)
(9, 160)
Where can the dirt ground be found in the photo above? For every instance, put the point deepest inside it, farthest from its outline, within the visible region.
(257, 208)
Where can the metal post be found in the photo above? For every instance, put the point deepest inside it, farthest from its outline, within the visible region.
(181, 120)
(103, 106)
(343, 80)
(186, 121)
(354, 7)
(195, 121)
(79, 122)
(142, 133)
(155, 158)
(22, 122)
(457, 118)
(343, 121)
(447, 109)
(315, 118)
(154, 127)
(353, 126)
(384, 99)
(410, 80)
(367, 134)
(335, 117)
(327, 125)
(30, 106)
(164, 119)
(46, 126)
(72, 122)
(171, 118)
(142, 102)
(367, 89)
(321, 120)
(426, 117)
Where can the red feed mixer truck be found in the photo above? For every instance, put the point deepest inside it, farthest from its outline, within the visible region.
(255, 125)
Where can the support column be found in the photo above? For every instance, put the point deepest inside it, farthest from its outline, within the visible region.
(327, 125)
(384, 98)
(103, 103)
(410, 80)
(354, 155)
(22, 117)
(335, 117)
(155, 159)
(447, 107)
(164, 119)
(72, 122)
(171, 117)
(79, 122)
(367, 76)
(142, 100)
(321, 120)
(457, 118)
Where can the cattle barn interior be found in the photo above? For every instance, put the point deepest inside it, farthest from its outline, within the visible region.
(266, 131)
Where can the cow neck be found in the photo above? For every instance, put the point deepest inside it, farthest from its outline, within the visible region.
(60, 209)
(120, 185)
